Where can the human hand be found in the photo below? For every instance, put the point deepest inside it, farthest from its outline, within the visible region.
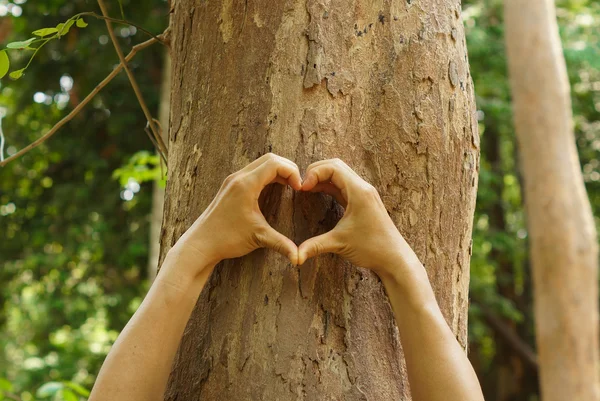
(366, 235)
(233, 225)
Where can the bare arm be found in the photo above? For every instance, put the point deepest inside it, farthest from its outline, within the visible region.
(438, 368)
(138, 365)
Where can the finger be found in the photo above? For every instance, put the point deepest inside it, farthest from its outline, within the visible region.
(315, 164)
(336, 161)
(264, 158)
(272, 239)
(276, 167)
(332, 171)
(279, 180)
(330, 189)
(314, 246)
(257, 162)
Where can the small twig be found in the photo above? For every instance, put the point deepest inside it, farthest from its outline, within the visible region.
(138, 93)
(510, 337)
(161, 132)
(1, 137)
(81, 105)
(147, 129)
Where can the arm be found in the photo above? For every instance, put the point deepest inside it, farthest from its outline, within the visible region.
(138, 365)
(438, 368)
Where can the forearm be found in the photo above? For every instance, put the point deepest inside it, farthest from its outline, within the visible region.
(138, 365)
(438, 368)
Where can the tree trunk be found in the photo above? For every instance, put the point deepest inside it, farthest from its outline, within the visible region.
(561, 226)
(385, 86)
(158, 192)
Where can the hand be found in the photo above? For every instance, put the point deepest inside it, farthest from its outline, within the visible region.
(233, 225)
(366, 235)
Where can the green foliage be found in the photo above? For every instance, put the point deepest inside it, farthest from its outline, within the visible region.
(4, 63)
(45, 31)
(142, 167)
(43, 36)
(73, 251)
(62, 391)
(49, 389)
(20, 45)
(500, 271)
(17, 74)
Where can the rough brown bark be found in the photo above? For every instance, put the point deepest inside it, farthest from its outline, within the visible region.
(385, 86)
(562, 234)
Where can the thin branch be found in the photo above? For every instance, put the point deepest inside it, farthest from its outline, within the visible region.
(1, 140)
(510, 337)
(147, 129)
(11, 396)
(138, 93)
(122, 22)
(81, 105)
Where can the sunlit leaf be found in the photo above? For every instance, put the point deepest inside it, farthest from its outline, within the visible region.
(79, 389)
(17, 74)
(4, 66)
(81, 23)
(68, 395)
(45, 31)
(20, 45)
(5, 385)
(64, 27)
(49, 389)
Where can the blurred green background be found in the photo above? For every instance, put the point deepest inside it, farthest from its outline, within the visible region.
(74, 235)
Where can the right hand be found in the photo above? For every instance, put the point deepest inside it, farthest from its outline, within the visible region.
(366, 235)
(233, 225)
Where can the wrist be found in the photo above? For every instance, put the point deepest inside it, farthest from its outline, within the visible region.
(403, 273)
(190, 259)
(399, 262)
(409, 289)
(177, 282)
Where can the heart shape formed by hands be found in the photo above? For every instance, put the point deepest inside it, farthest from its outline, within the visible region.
(233, 225)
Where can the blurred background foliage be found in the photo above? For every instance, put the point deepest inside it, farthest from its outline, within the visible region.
(73, 232)
(74, 213)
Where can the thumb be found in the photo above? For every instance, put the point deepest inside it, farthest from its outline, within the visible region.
(278, 242)
(314, 246)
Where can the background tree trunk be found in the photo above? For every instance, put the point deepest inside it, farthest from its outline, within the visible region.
(561, 226)
(385, 86)
(158, 192)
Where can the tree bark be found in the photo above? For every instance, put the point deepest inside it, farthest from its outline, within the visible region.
(561, 227)
(385, 86)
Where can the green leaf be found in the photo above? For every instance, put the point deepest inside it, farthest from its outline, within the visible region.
(4, 66)
(17, 74)
(45, 31)
(49, 389)
(81, 23)
(20, 45)
(79, 389)
(63, 28)
(68, 395)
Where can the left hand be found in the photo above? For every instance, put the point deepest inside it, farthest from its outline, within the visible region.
(233, 225)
